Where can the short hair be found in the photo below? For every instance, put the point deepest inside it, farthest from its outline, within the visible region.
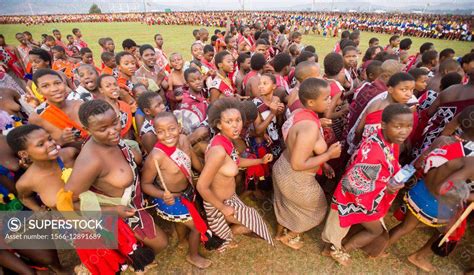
(83, 51)
(227, 38)
(69, 35)
(42, 72)
(448, 65)
(156, 35)
(354, 35)
(393, 38)
(304, 56)
(214, 38)
(265, 36)
(295, 35)
(249, 110)
(144, 99)
(195, 31)
(89, 66)
(467, 58)
(107, 56)
(220, 57)
(426, 47)
(242, 57)
(310, 48)
(271, 76)
(162, 115)
(262, 42)
(405, 44)
(311, 89)
(257, 61)
(293, 49)
(55, 30)
(101, 41)
(27, 33)
(120, 55)
(374, 67)
(218, 107)
(466, 121)
(92, 108)
(446, 52)
(393, 110)
(429, 56)
(373, 40)
(346, 43)
(282, 28)
(75, 30)
(17, 137)
(280, 61)
(418, 72)
(190, 70)
(345, 35)
(369, 52)
(145, 47)
(208, 48)
(333, 64)
(348, 49)
(384, 56)
(216, 31)
(399, 77)
(101, 77)
(450, 79)
(128, 43)
(59, 49)
(42, 54)
(50, 38)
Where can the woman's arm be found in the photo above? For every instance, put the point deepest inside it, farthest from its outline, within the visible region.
(214, 161)
(301, 157)
(149, 174)
(215, 94)
(86, 170)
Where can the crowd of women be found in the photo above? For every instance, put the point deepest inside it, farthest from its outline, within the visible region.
(331, 141)
(451, 27)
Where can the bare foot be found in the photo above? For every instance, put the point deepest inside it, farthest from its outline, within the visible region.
(326, 252)
(340, 256)
(198, 261)
(382, 255)
(421, 263)
(281, 232)
(81, 270)
(292, 240)
(239, 229)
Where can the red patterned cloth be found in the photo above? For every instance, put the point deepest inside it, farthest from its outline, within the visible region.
(362, 195)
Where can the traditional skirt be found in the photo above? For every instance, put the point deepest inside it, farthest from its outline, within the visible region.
(247, 216)
(299, 200)
(426, 207)
(177, 212)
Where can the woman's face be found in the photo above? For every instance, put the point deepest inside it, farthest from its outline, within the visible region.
(176, 62)
(197, 51)
(266, 85)
(398, 129)
(227, 64)
(40, 146)
(322, 102)
(127, 65)
(230, 124)
(37, 63)
(105, 128)
(109, 87)
(167, 131)
(402, 92)
(88, 77)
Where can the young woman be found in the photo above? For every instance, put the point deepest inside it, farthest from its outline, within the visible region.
(226, 213)
(299, 201)
(367, 180)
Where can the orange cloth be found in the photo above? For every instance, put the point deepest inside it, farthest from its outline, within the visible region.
(64, 66)
(107, 70)
(58, 118)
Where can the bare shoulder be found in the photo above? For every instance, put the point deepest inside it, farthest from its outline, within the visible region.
(68, 155)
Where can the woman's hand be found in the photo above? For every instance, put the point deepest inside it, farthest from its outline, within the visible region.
(334, 150)
(227, 210)
(267, 158)
(328, 171)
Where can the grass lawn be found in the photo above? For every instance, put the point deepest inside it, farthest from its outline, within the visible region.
(179, 38)
(254, 255)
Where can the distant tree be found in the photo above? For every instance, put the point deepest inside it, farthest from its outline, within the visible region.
(94, 9)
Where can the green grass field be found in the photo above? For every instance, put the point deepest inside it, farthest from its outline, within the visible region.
(179, 38)
(254, 256)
